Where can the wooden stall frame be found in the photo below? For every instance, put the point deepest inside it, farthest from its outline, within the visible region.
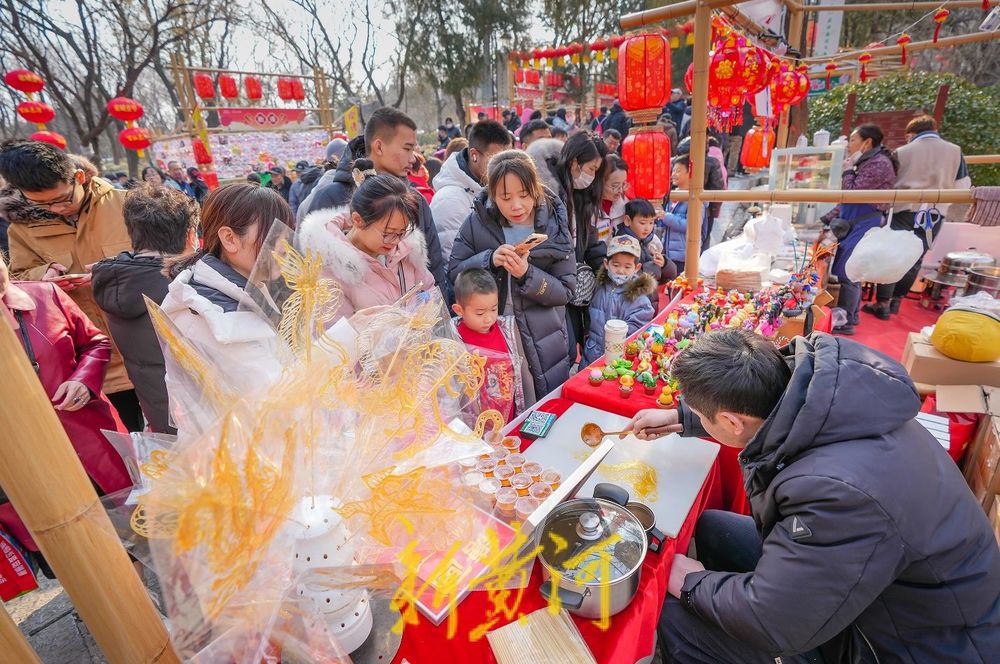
(13, 643)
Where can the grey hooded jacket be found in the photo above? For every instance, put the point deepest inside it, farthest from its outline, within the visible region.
(870, 532)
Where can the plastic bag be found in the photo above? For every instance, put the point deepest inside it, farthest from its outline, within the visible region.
(708, 264)
(883, 256)
(982, 302)
(839, 317)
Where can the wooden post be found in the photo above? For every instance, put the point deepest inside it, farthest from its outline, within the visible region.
(944, 42)
(942, 99)
(13, 645)
(699, 120)
(796, 20)
(43, 478)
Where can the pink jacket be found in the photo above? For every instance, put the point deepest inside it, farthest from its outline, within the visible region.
(364, 280)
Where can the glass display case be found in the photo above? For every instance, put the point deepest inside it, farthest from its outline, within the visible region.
(807, 168)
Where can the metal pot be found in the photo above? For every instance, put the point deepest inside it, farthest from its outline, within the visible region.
(954, 267)
(984, 280)
(595, 547)
(644, 513)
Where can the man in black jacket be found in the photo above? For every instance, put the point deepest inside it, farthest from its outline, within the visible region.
(160, 223)
(389, 141)
(865, 545)
(617, 120)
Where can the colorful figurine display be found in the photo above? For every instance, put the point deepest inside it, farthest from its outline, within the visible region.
(596, 377)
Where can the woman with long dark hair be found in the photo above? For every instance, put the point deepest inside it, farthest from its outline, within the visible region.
(870, 166)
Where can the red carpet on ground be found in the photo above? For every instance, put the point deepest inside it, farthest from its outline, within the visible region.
(889, 336)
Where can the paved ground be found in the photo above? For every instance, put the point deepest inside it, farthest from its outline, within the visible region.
(53, 627)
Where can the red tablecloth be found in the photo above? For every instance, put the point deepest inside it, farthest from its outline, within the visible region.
(630, 637)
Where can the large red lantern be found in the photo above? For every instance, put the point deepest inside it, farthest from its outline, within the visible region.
(37, 112)
(736, 70)
(644, 76)
(758, 145)
(50, 137)
(203, 85)
(533, 77)
(24, 81)
(201, 154)
(788, 87)
(285, 89)
(125, 109)
(252, 87)
(228, 87)
(647, 153)
(298, 89)
(803, 84)
(135, 138)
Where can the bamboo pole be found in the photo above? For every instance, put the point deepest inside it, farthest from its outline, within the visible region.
(796, 21)
(982, 158)
(944, 42)
(896, 6)
(13, 644)
(42, 475)
(213, 70)
(699, 120)
(829, 196)
(676, 10)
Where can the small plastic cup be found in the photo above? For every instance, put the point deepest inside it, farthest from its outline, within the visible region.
(472, 479)
(506, 497)
(499, 455)
(504, 473)
(552, 478)
(532, 468)
(512, 443)
(516, 461)
(488, 490)
(540, 491)
(524, 507)
(468, 464)
(521, 483)
(486, 466)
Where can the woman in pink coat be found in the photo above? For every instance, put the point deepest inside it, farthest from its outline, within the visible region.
(70, 356)
(372, 249)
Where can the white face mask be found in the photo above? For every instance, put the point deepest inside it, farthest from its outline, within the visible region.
(583, 180)
(620, 279)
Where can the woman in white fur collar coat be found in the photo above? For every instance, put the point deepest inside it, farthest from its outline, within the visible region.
(373, 248)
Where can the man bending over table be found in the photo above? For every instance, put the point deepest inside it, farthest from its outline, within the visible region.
(865, 544)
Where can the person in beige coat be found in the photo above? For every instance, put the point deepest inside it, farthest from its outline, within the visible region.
(61, 222)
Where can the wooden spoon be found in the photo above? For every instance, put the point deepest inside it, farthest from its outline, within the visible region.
(593, 435)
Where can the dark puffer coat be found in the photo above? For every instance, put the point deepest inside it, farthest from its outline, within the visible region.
(870, 532)
(539, 298)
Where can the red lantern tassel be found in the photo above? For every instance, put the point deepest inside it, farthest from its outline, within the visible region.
(986, 5)
(937, 31)
(864, 73)
(903, 61)
(828, 75)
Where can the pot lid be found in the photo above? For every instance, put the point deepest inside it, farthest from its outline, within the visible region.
(969, 257)
(591, 541)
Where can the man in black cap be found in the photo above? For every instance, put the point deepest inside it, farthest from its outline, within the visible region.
(279, 182)
(307, 177)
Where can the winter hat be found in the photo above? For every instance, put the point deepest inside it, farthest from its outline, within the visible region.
(335, 148)
(624, 244)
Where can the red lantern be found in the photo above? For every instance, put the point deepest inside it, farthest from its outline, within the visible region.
(125, 109)
(863, 60)
(298, 89)
(201, 154)
(940, 16)
(285, 89)
(252, 87)
(903, 40)
(802, 84)
(37, 112)
(830, 68)
(519, 76)
(228, 87)
(203, 85)
(736, 70)
(25, 81)
(50, 137)
(647, 154)
(644, 76)
(135, 138)
(689, 78)
(788, 87)
(758, 145)
(533, 77)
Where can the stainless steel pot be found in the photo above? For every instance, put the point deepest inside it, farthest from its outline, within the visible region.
(954, 267)
(984, 280)
(595, 547)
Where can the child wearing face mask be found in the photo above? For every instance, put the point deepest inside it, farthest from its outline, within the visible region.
(622, 293)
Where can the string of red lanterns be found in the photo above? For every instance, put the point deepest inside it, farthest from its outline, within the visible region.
(128, 110)
(37, 112)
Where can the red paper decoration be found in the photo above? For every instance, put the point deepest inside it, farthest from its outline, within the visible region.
(50, 137)
(689, 78)
(788, 87)
(125, 109)
(903, 40)
(203, 85)
(532, 77)
(647, 154)
(940, 16)
(297, 89)
(830, 68)
(644, 75)
(758, 145)
(135, 138)
(554, 80)
(803, 84)
(228, 87)
(285, 89)
(519, 76)
(736, 70)
(201, 153)
(37, 112)
(25, 81)
(863, 60)
(252, 87)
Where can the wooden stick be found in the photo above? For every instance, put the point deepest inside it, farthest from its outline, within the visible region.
(982, 158)
(945, 42)
(676, 10)
(827, 196)
(13, 644)
(40, 472)
(896, 6)
(796, 21)
(699, 120)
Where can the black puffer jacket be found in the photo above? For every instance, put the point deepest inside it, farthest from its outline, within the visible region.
(869, 528)
(119, 285)
(539, 298)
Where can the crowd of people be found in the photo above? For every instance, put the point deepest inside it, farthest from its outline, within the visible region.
(524, 227)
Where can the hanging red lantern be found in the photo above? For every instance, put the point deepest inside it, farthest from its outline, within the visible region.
(519, 76)
(201, 154)
(37, 112)
(940, 16)
(830, 68)
(758, 145)
(533, 77)
(736, 70)
(298, 89)
(986, 5)
(285, 89)
(228, 87)
(802, 85)
(614, 45)
(647, 153)
(644, 76)
(252, 88)
(50, 137)
(24, 81)
(135, 138)
(903, 40)
(598, 47)
(788, 87)
(203, 85)
(689, 78)
(863, 60)
(125, 109)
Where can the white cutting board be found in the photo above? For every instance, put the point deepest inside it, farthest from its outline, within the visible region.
(681, 464)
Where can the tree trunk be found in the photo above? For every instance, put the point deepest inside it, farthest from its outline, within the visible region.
(132, 157)
(460, 109)
(95, 145)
